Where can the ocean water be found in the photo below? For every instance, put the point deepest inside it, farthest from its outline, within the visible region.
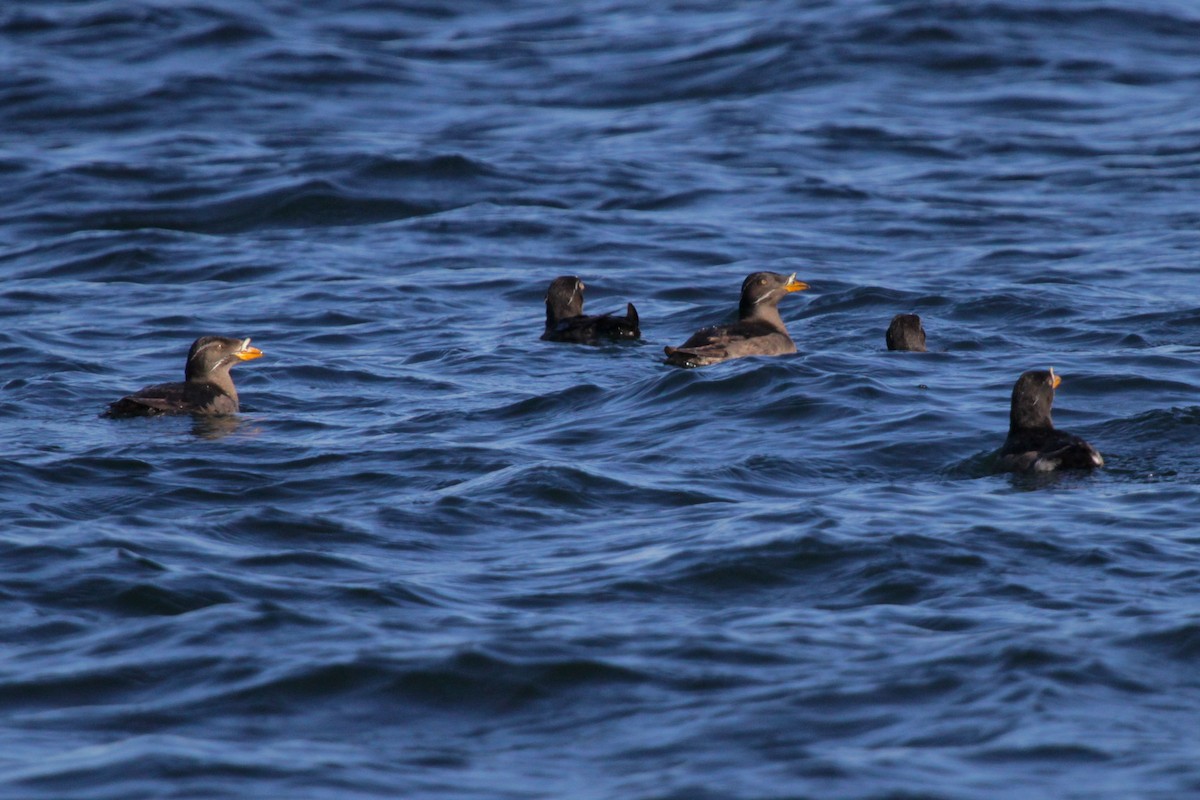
(436, 557)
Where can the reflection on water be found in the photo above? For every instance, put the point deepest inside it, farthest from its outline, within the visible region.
(432, 549)
(215, 427)
(218, 427)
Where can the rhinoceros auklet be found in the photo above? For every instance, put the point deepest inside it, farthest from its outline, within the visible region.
(906, 333)
(759, 330)
(566, 322)
(1033, 443)
(207, 387)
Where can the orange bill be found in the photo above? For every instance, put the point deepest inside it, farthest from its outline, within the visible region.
(794, 285)
(247, 352)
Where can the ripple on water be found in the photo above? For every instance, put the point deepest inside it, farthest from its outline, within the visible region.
(438, 557)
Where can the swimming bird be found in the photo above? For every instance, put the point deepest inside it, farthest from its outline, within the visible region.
(566, 322)
(906, 333)
(1033, 443)
(207, 387)
(759, 330)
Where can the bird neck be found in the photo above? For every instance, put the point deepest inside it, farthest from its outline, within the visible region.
(1030, 409)
(1029, 420)
(218, 376)
(762, 312)
(557, 312)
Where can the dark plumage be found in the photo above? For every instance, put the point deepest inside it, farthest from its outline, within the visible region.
(1033, 443)
(906, 333)
(207, 387)
(759, 330)
(566, 322)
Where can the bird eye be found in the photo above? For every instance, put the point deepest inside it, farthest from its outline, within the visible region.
(762, 281)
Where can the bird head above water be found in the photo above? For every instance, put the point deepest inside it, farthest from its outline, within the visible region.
(213, 356)
(1032, 397)
(906, 333)
(564, 298)
(762, 291)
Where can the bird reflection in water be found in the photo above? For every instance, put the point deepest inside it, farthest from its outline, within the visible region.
(214, 427)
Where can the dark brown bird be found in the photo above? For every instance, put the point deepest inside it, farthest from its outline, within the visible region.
(566, 322)
(759, 330)
(1033, 443)
(906, 333)
(207, 387)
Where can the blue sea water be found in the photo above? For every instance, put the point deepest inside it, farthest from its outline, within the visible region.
(436, 557)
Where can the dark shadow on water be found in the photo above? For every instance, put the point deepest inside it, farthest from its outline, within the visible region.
(983, 465)
(1058, 479)
(219, 427)
(980, 465)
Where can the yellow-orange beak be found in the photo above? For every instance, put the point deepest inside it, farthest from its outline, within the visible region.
(794, 285)
(247, 352)
(1055, 380)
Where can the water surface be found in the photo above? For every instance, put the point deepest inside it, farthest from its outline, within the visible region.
(437, 557)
